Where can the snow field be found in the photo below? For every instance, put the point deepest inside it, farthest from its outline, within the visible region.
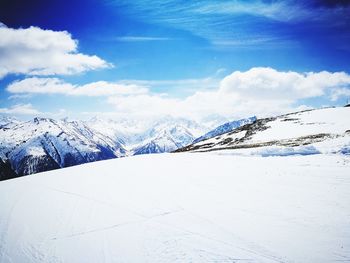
(181, 208)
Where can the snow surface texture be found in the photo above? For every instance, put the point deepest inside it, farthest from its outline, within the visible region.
(186, 207)
(308, 132)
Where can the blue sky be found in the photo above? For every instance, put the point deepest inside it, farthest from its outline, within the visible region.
(181, 52)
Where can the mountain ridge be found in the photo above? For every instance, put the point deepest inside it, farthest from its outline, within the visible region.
(224, 128)
(308, 131)
(42, 144)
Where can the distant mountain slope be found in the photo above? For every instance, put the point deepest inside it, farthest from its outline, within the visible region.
(6, 171)
(312, 131)
(166, 139)
(6, 122)
(167, 135)
(144, 137)
(224, 128)
(45, 144)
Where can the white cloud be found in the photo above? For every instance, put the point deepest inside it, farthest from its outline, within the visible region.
(258, 91)
(20, 109)
(36, 85)
(146, 105)
(277, 10)
(35, 51)
(261, 83)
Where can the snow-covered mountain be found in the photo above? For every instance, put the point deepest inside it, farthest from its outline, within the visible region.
(44, 144)
(165, 140)
(124, 130)
(167, 135)
(307, 132)
(224, 128)
(143, 137)
(8, 122)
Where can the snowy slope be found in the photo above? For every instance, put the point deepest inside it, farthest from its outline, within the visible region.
(150, 136)
(123, 130)
(43, 144)
(181, 208)
(166, 141)
(7, 122)
(134, 132)
(314, 131)
(167, 135)
(224, 128)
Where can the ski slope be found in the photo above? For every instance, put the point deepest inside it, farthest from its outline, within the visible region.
(184, 207)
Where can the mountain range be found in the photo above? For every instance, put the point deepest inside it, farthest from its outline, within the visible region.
(42, 144)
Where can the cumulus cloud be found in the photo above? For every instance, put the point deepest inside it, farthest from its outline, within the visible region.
(35, 51)
(36, 85)
(272, 84)
(20, 109)
(258, 91)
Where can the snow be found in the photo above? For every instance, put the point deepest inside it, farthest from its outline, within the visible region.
(122, 136)
(191, 207)
(44, 143)
(328, 146)
(224, 128)
(8, 122)
(138, 134)
(318, 131)
(235, 136)
(272, 151)
(328, 120)
(164, 137)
